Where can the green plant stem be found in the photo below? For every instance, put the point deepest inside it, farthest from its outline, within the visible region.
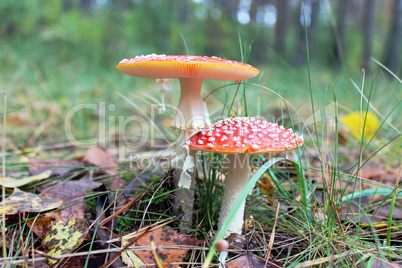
(391, 211)
(93, 238)
(184, 43)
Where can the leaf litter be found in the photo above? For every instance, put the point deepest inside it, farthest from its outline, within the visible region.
(73, 194)
(18, 182)
(169, 247)
(252, 261)
(102, 159)
(41, 225)
(20, 202)
(147, 246)
(65, 237)
(37, 165)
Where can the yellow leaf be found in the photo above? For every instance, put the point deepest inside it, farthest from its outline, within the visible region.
(65, 237)
(21, 201)
(12, 182)
(354, 122)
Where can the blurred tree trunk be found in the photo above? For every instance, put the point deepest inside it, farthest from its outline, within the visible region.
(67, 5)
(311, 9)
(281, 26)
(85, 5)
(392, 47)
(222, 29)
(214, 31)
(258, 33)
(253, 10)
(228, 8)
(368, 32)
(338, 43)
(120, 5)
(182, 9)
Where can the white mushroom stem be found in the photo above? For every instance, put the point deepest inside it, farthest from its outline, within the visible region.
(236, 179)
(192, 112)
(191, 115)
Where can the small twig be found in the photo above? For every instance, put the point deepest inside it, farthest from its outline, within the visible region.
(3, 189)
(108, 263)
(129, 204)
(153, 227)
(45, 255)
(110, 230)
(272, 238)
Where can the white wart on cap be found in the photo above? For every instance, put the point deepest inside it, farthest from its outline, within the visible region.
(245, 135)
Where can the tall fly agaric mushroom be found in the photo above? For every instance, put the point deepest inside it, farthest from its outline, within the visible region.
(192, 114)
(239, 137)
(191, 71)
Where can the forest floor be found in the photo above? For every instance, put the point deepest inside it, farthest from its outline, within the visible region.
(80, 191)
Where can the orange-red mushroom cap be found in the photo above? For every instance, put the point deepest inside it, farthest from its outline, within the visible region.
(182, 66)
(244, 135)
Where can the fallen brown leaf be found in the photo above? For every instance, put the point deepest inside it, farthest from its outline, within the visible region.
(237, 241)
(376, 173)
(37, 165)
(72, 192)
(21, 201)
(103, 159)
(41, 226)
(251, 261)
(161, 238)
(118, 182)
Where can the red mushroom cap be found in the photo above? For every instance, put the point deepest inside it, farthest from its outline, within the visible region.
(164, 66)
(244, 134)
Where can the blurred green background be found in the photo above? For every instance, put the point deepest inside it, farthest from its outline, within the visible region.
(55, 54)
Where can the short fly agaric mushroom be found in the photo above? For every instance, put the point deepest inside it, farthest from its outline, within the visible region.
(192, 113)
(239, 137)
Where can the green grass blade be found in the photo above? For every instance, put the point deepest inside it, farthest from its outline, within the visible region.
(278, 186)
(368, 192)
(184, 43)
